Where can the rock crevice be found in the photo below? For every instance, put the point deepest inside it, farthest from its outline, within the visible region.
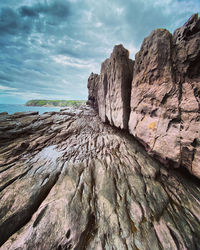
(161, 104)
(83, 184)
(113, 88)
(71, 181)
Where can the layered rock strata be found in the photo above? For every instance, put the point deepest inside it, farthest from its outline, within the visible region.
(165, 95)
(164, 98)
(113, 88)
(93, 81)
(69, 181)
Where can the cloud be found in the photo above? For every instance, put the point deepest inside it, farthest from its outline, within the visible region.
(4, 88)
(26, 11)
(48, 48)
(9, 21)
(26, 18)
(59, 9)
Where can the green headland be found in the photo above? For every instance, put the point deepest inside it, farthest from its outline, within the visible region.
(55, 103)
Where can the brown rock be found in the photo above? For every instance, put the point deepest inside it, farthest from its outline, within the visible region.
(165, 95)
(187, 49)
(80, 184)
(154, 97)
(187, 65)
(114, 88)
(69, 181)
(164, 99)
(93, 82)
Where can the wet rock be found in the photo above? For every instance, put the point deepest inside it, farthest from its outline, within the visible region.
(3, 113)
(78, 183)
(23, 114)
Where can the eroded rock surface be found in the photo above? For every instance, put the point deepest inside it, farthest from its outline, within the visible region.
(114, 88)
(68, 181)
(93, 82)
(165, 106)
(162, 109)
(155, 117)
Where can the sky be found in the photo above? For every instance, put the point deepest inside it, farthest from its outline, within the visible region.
(48, 48)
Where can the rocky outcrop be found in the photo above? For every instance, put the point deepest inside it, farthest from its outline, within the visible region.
(165, 95)
(114, 88)
(164, 99)
(93, 81)
(69, 181)
(155, 117)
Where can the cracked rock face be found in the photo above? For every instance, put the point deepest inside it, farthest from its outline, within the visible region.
(165, 97)
(114, 88)
(154, 97)
(92, 86)
(68, 181)
(161, 107)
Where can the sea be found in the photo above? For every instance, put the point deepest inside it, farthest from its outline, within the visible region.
(12, 108)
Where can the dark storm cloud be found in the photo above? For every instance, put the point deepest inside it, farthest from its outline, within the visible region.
(25, 18)
(49, 47)
(59, 9)
(9, 21)
(27, 11)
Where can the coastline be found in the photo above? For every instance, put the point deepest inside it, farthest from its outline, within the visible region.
(55, 103)
(13, 108)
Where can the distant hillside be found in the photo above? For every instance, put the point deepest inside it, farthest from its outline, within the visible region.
(55, 103)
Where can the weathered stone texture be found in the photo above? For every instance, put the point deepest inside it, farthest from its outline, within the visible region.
(92, 86)
(165, 95)
(114, 88)
(154, 97)
(68, 181)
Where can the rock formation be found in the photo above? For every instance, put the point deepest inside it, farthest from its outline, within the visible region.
(114, 87)
(165, 95)
(68, 181)
(92, 90)
(164, 99)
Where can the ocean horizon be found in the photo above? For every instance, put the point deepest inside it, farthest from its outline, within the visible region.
(13, 108)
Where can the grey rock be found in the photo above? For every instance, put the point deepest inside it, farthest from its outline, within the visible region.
(77, 183)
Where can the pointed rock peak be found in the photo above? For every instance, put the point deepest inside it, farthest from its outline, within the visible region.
(192, 20)
(92, 76)
(119, 51)
(157, 96)
(191, 27)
